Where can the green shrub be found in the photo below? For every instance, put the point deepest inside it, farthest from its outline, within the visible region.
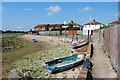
(68, 28)
(103, 27)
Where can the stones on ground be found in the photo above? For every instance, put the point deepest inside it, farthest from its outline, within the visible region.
(61, 75)
(13, 74)
(28, 70)
(73, 69)
(73, 73)
(38, 62)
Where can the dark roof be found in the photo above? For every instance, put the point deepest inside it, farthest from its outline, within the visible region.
(115, 22)
(74, 24)
(56, 25)
(53, 25)
(93, 23)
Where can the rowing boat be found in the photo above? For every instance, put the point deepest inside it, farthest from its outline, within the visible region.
(65, 63)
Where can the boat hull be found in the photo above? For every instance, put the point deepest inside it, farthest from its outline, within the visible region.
(79, 45)
(64, 67)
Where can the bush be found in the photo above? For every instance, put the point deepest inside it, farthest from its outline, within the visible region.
(68, 28)
(76, 28)
(103, 27)
(54, 29)
(9, 31)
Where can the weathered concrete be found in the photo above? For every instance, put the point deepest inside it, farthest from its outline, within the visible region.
(102, 66)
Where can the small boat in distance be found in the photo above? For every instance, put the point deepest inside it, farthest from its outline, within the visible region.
(64, 63)
(34, 40)
(79, 45)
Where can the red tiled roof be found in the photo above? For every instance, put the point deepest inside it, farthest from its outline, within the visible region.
(54, 25)
(74, 24)
(42, 25)
(93, 23)
(115, 22)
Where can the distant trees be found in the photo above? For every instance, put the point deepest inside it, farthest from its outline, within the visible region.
(10, 31)
(47, 27)
(68, 28)
(71, 25)
(72, 28)
(60, 29)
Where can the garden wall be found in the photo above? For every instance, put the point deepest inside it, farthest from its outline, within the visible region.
(56, 32)
(109, 38)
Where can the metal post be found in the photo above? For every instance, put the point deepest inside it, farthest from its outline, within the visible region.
(72, 38)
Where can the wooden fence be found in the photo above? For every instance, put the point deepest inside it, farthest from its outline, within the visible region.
(109, 38)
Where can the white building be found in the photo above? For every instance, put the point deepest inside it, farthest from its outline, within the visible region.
(91, 26)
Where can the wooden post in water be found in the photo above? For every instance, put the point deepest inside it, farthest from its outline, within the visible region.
(65, 33)
(88, 36)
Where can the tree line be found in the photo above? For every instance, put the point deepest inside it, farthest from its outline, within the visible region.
(10, 31)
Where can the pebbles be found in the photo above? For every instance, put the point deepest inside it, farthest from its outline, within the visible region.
(73, 73)
(13, 74)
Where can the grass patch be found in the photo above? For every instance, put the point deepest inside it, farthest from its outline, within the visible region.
(35, 62)
(11, 56)
(13, 43)
(32, 56)
(8, 35)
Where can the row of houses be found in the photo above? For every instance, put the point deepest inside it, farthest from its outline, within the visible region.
(49, 27)
(88, 26)
(114, 23)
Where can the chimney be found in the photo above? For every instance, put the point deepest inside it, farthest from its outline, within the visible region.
(30, 30)
(64, 22)
(71, 22)
(94, 20)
